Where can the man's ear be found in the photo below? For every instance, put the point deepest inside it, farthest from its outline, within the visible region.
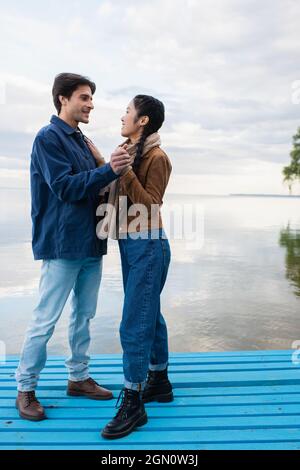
(62, 99)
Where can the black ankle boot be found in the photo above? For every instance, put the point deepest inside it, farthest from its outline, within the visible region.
(131, 414)
(158, 387)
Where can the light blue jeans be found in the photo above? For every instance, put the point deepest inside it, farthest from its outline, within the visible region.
(58, 278)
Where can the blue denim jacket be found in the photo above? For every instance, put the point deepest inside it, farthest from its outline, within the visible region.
(65, 183)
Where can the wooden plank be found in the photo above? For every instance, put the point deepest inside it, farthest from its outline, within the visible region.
(215, 446)
(190, 391)
(199, 379)
(186, 368)
(295, 445)
(159, 424)
(144, 435)
(81, 402)
(172, 362)
(226, 411)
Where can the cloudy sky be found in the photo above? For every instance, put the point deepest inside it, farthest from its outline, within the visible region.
(227, 71)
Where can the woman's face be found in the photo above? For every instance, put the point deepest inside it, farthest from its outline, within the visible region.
(131, 126)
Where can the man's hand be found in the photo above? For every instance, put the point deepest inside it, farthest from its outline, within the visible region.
(95, 152)
(120, 160)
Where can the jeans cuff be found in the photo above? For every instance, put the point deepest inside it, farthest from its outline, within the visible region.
(74, 378)
(135, 386)
(26, 388)
(158, 366)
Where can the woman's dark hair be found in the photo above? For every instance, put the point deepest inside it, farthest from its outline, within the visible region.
(66, 83)
(146, 105)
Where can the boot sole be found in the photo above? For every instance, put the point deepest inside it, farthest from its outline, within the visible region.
(141, 421)
(30, 418)
(91, 397)
(165, 398)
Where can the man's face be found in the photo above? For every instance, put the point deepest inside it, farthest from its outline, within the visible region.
(79, 106)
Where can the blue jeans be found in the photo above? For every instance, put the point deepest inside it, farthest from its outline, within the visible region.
(58, 278)
(143, 330)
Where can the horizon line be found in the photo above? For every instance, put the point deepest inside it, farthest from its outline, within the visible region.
(192, 194)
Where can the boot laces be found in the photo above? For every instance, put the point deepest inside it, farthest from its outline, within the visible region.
(121, 408)
(126, 399)
(30, 398)
(152, 376)
(92, 381)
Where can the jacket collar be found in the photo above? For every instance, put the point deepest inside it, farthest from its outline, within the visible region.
(62, 125)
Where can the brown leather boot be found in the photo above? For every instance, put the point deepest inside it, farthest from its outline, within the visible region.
(29, 407)
(88, 388)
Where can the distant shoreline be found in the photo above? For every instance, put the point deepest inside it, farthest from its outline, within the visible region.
(191, 195)
(264, 195)
(234, 195)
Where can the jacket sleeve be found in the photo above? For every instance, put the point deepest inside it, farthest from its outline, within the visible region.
(156, 182)
(55, 167)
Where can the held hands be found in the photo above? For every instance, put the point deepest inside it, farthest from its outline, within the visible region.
(120, 160)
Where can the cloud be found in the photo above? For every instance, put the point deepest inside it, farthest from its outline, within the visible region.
(223, 68)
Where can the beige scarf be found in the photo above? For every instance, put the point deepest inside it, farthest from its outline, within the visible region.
(153, 140)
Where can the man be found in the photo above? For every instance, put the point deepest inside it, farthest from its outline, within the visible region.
(65, 183)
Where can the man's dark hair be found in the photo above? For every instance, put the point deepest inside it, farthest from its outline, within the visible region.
(66, 83)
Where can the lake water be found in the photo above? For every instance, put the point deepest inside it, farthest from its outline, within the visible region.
(239, 290)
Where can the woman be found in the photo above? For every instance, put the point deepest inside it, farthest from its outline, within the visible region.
(145, 257)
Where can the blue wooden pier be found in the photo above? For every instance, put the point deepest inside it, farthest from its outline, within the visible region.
(223, 400)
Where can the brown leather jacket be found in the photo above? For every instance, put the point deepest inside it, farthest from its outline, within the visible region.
(146, 187)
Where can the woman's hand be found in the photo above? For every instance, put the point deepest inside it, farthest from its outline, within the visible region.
(96, 153)
(120, 160)
(128, 168)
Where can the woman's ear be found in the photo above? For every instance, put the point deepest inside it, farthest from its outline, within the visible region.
(144, 120)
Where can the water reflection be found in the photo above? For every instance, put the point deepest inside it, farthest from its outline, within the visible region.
(232, 294)
(290, 239)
